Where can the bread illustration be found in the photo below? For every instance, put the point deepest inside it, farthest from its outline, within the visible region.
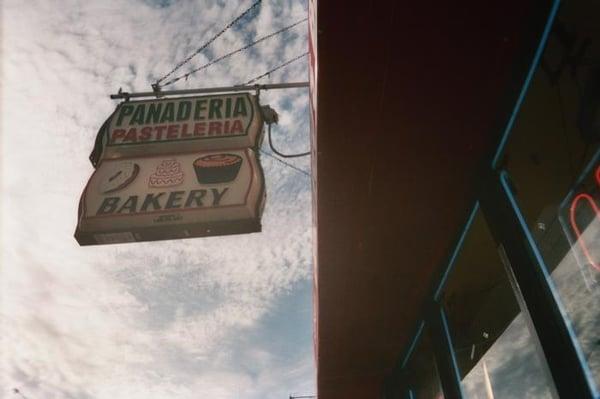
(119, 176)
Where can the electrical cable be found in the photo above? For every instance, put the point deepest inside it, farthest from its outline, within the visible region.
(156, 85)
(275, 69)
(234, 52)
(302, 154)
(285, 163)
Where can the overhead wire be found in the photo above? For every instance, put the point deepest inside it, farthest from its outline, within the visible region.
(270, 35)
(275, 69)
(302, 154)
(285, 163)
(156, 85)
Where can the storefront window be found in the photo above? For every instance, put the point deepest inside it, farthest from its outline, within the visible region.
(553, 169)
(497, 354)
(422, 372)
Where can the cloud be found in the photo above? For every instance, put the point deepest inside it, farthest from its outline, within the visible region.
(152, 320)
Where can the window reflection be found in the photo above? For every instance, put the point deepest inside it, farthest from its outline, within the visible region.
(553, 163)
(422, 372)
(497, 355)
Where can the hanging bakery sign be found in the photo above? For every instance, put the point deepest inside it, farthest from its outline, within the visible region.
(175, 168)
(176, 196)
(173, 124)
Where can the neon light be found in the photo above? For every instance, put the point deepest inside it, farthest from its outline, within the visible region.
(573, 209)
(598, 176)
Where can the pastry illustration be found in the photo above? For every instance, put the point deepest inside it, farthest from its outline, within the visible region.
(119, 176)
(168, 173)
(217, 168)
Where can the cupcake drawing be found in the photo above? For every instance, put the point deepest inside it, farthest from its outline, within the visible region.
(217, 168)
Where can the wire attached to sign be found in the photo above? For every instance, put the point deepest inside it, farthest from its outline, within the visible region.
(281, 161)
(257, 41)
(288, 62)
(270, 117)
(302, 154)
(156, 85)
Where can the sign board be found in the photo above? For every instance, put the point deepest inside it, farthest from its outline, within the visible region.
(175, 168)
(172, 196)
(180, 124)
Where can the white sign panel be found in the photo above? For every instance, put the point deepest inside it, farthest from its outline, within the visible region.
(183, 124)
(172, 196)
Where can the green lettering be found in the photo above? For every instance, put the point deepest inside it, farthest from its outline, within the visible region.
(109, 204)
(153, 115)
(174, 199)
(168, 113)
(183, 112)
(126, 110)
(228, 107)
(138, 115)
(151, 200)
(218, 196)
(214, 108)
(130, 205)
(240, 107)
(200, 106)
(195, 196)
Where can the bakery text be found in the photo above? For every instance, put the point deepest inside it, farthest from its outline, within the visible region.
(161, 201)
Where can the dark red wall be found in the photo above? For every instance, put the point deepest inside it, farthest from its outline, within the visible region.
(412, 96)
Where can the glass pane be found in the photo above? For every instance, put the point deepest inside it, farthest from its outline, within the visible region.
(497, 354)
(552, 161)
(422, 371)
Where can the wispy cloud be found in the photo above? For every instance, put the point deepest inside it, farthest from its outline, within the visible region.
(182, 319)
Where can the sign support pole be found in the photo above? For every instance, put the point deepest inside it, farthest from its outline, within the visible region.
(126, 96)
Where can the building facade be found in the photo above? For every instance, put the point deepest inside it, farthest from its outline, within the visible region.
(457, 197)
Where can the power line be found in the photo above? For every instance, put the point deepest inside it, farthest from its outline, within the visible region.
(302, 154)
(156, 85)
(276, 68)
(185, 76)
(285, 163)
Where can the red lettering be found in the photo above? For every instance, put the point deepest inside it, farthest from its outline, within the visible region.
(117, 134)
(199, 129)
(237, 127)
(214, 128)
(184, 132)
(131, 135)
(159, 131)
(172, 131)
(145, 133)
(226, 127)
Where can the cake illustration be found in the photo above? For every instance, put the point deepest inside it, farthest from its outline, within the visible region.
(168, 173)
(118, 176)
(217, 168)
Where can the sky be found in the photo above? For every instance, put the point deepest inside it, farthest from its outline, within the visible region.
(220, 317)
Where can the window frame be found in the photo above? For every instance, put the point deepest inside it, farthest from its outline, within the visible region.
(525, 266)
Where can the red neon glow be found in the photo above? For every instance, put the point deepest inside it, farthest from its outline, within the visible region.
(598, 175)
(573, 209)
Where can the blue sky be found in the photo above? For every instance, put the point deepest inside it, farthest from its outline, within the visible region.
(225, 317)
